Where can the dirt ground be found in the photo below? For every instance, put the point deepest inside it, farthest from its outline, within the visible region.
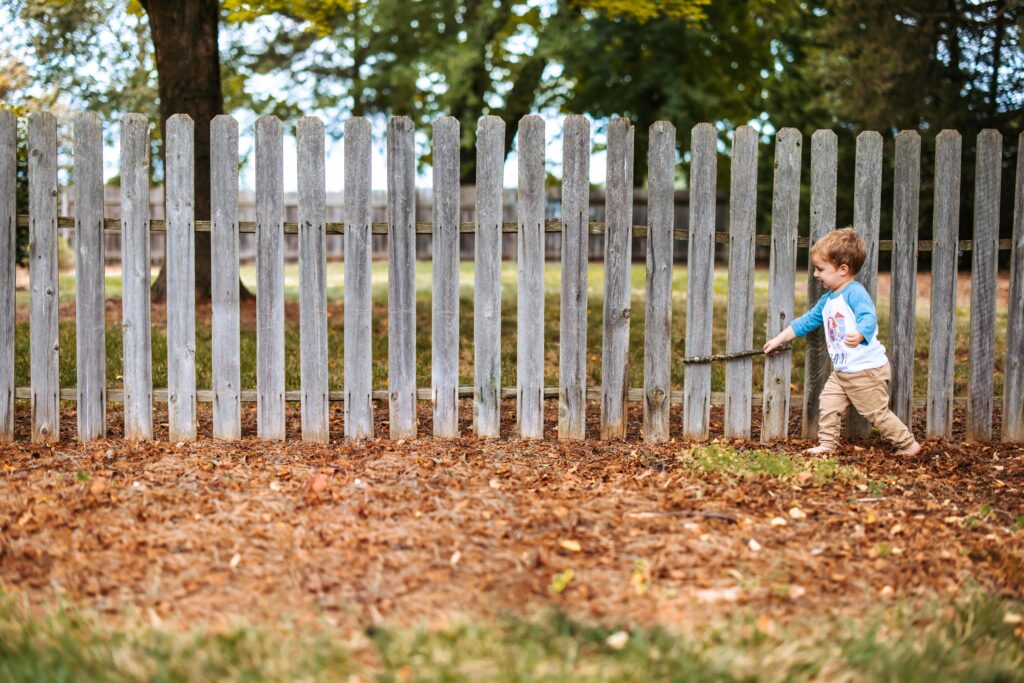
(429, 531)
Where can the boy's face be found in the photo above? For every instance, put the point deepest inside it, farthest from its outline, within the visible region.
(828, 274)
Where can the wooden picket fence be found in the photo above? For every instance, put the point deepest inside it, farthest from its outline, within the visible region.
(572, 393)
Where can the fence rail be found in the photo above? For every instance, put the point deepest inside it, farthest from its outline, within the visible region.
(401, 228)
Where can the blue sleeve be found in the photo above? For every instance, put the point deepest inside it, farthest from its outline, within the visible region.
(863, 309)
(811, 320)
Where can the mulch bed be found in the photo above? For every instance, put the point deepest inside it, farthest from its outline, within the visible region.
(426, 531)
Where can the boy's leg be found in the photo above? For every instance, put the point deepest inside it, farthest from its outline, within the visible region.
(832, 406)
(868, 391)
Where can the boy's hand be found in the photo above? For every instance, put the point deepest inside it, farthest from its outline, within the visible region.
(854, 338)
(772, 345)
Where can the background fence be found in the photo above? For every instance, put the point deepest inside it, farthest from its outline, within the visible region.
(532, 224)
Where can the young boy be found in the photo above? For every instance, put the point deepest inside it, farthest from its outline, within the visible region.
(861, 370)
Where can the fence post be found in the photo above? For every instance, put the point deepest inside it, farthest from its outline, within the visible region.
(700, 281)
(945, 233)
(817, 365)
(530, 317)
(181, 297)
(135, 266)
(618, 238)
(984, 272)
(658, 314)
(490, 146)
(313, 279)
(781, 281)
(903, 301)
(572, 355)
(8, 233)
(270, 417)
(445, 301)
(358, 356)
(867, 207)
(227, 413)
(401, 278)
(90, 335)
(1013, 385)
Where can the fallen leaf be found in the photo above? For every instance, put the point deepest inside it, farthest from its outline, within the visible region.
(754, 545)
(617, 640)
(98, 486)
(778, 521)
(570, 545)
(235, 559)
(797, 513)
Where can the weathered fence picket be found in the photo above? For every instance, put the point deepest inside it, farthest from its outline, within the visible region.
(658, 312)
(781, 281)
(42, 192)
(984, 272)
(618, 239)
(700, 274)
(903, 297)
(1013, 367)
(490, 148)
(8, 252)
(401, 278)
(740, 327)
(572, 355)
(489, 228)
(226, 367)
(945, 227)
(135, 274)
(313, 280)
(444, 340)
(867, 214)
(358, 355)
(90, 323)
(817, 365)
(530, 314)
(270, 422)
(181, 306)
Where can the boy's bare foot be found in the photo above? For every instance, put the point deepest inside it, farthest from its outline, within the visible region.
(818, 450)
(912, 449)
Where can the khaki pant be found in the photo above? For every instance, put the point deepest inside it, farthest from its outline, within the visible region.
(868, 392)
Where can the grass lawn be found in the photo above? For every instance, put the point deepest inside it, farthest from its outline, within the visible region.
(335, 293)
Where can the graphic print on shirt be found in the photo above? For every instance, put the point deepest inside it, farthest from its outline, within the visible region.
(836, 325)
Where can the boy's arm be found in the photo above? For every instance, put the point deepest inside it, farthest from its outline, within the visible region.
(864, 311)
(811, 320)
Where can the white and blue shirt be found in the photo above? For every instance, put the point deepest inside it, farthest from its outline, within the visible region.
(841, 312)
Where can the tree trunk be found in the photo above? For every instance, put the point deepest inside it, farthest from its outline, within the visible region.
(184, 34)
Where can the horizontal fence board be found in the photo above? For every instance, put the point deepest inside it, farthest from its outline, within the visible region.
(552, 225)
(633, 395)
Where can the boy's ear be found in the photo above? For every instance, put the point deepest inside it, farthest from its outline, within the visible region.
(843, 269)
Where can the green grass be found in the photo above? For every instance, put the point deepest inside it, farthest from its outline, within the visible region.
(754, 464)
(968, 640)
(552, 271)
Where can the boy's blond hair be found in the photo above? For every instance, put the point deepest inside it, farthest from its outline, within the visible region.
(842, 247)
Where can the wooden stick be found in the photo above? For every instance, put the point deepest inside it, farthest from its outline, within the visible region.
(731, 356)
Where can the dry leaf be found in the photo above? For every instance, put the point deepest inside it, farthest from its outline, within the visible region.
(570, 545)
(98, 486)
(617, 640)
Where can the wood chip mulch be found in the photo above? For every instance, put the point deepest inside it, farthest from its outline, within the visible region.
(426, 531)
